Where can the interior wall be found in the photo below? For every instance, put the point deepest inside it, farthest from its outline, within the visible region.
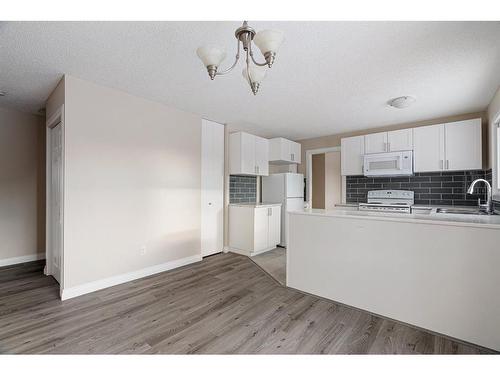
(318, 181)
(334, 140)
(333, 180)
(22, 186)
(493, 111)
(132, 183)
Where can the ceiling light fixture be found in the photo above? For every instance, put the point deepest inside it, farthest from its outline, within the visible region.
(3, 93)
(402, 101)
(268, 41)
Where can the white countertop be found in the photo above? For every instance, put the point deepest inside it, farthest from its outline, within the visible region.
(254, 205)
(480, 221)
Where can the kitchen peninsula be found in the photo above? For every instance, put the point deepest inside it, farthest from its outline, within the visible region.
(439, 272)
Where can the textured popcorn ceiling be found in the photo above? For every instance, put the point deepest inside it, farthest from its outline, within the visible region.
(329, 77)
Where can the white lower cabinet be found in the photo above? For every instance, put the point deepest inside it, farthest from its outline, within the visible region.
(254, 228)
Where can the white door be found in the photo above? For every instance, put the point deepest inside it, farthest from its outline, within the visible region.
(262, 156)
(295, 150)
(428, 148)
(400, 140)
(351, 155)
(376, 143)
(261, 228)
(274, 231)
(248, 153)
(463, 145)
(56, 202)
(212, 188)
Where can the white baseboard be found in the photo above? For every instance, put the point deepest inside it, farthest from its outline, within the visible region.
(249, 253)
(23, 259)
(93, 286)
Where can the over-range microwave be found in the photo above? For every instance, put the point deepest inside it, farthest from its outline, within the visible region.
(398, 163)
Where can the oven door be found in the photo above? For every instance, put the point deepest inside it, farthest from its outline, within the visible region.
(388, 164)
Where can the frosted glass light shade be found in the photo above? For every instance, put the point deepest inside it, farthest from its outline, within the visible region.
(269, 40)
(257, 73)
(211, 55)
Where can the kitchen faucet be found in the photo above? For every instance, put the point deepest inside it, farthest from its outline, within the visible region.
(488, 206)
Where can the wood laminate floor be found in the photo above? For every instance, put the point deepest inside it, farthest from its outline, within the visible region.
(274, 263)
(225, 304)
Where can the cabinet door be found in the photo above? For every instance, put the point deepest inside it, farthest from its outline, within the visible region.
(274, 234)
(428, 148)
(463, 145)
(400, 140)
(261, 149)
(261, 228)
(295, 151)
(248, 161)
(351, 155)
(376, 143)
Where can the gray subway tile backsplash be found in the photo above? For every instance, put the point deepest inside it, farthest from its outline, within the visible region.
(431, 188)
(242, 189)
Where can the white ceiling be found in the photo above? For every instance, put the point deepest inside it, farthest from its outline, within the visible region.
(329, 77)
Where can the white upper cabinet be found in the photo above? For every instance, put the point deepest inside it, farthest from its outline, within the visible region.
(248, 154)
(396, 140)
(284, 151)
(352, 150)
(428, 148)
(376, 142)
(451, 146)
(400, 140)
(463, 145)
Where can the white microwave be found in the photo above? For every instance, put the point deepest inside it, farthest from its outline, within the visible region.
(399, 163)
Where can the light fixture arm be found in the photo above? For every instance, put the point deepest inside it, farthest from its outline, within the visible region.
(235, 61)
(255, 62)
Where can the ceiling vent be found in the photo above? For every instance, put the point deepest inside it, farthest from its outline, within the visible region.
(402, 102)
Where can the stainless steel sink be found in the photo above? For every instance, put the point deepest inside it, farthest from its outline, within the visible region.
(459, 211)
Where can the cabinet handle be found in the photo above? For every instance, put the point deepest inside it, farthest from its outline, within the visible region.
(291, 157)
(441, 164)
(447, 164)
(388, 146)
(257, 169)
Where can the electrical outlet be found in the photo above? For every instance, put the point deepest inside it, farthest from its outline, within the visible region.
(143, 250)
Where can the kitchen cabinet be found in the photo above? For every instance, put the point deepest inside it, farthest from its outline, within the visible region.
(400, 140)
(376, 142)
(351, 156)
(463, 145)
(451, 146)
(428, 148)
(396, 140)
(284, 151)
(248, 154)
(254, 228)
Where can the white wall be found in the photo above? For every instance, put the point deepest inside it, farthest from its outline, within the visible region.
(132, 179)
(22, 187)
(493, 111)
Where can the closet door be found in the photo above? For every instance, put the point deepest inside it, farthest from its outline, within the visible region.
(212, 188)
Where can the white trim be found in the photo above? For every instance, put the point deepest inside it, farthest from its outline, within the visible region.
(309, 154)
(249, 253)
(23, 259)
(93, 286)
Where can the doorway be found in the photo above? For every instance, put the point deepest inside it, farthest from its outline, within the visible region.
(325, 185)
(55, 197)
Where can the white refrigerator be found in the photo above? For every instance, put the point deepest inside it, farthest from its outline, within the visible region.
(287, 189)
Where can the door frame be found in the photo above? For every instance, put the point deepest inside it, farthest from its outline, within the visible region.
(56, 119)
(309, 154)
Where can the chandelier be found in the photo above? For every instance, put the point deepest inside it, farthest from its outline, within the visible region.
(268, 41)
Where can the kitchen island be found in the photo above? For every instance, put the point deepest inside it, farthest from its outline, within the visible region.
(439, 272)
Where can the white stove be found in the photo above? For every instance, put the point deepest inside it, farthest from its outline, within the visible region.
(399, 201)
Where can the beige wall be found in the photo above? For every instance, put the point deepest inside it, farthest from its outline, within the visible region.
(333, 180)
(493, 112)
(334, 140)
(318, 181)
(132, 179)
(22, 185)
